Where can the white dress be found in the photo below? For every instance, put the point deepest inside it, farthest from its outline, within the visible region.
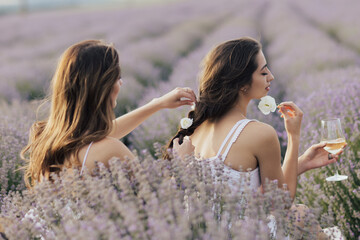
(235, 176)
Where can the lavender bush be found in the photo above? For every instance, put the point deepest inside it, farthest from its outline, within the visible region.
(15, 121)
(158, 199)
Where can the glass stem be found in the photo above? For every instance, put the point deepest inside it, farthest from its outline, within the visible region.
(336, 168)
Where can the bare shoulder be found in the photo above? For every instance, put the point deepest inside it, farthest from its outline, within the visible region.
(261, 132)
(255, 142)
(113, 146)
(262, 140)
(104, 150)
(257, 136)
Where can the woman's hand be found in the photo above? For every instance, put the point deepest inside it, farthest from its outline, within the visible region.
(176, 98)
(184, 149)
(315, 157)
(292, 115)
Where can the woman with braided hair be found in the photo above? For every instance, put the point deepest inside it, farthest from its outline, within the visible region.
(234, 73)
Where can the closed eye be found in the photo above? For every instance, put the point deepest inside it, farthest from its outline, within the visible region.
(264, 74)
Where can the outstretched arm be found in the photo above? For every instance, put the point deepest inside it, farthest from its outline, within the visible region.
(125, 124)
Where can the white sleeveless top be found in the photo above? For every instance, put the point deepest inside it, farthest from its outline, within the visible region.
(234, 175)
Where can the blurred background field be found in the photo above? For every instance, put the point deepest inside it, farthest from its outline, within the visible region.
(16, 6)
(312, 48)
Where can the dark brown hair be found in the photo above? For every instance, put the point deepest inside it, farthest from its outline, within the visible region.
(225, 70)
(81, 109)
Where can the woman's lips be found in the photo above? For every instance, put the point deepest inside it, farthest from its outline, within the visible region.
(267, 88)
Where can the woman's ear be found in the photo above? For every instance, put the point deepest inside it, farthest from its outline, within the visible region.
(244, 89)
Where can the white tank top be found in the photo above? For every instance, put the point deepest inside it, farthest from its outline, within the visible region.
(234, 175)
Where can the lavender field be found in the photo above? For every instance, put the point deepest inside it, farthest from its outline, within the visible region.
(313, 50)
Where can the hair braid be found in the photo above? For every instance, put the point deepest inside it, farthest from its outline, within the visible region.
(198, 116)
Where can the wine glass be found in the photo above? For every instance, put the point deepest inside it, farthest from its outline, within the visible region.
(332, 134)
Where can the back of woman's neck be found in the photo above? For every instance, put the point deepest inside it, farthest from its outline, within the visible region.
(237, 113)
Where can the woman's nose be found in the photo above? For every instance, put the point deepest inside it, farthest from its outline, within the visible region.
(270, 77)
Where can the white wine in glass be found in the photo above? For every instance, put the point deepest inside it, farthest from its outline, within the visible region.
(332, 134)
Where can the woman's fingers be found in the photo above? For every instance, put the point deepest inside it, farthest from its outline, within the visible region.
(331, 158)
(187, 142)
(319, 145)
(286, 111)
(184, 149)
(176, 143)
(323, 144)
(290, 107)
(187, 94)
(192, 93)
(178, 97)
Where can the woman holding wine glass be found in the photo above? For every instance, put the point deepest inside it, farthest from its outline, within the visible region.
(234, 73)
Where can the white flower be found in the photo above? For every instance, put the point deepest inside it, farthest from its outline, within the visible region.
(267, 105)
(186, 122)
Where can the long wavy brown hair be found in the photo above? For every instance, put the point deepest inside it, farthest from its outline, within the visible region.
(225, 70)
(81, 109)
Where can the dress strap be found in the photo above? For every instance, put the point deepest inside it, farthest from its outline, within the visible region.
(228, 136)
(235, 136)
(86, 154)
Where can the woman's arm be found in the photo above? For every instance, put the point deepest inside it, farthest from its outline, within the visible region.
(290, 165)
(292, 121)
(267, 149)
(125, 124)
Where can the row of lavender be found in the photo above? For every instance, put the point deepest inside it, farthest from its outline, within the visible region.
(340, 21)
